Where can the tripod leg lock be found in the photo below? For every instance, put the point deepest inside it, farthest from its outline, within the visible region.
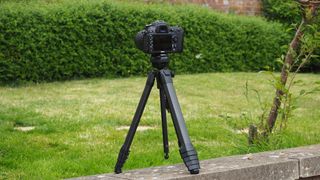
(190, 159)
(123, 156)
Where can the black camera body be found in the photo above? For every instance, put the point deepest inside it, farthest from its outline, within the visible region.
(159, 38)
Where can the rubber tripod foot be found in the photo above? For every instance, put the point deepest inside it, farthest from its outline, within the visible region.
(122, 157)
(118, 171)
(166, 156)
(194, 171)
(190, 159)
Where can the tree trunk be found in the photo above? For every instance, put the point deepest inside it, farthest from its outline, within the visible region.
(289, 59)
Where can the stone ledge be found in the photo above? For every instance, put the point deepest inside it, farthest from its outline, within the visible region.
(295, 163)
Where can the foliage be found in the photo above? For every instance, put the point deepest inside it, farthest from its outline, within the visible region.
(290, 13)
(285, 11)
(75, 39)
(313, 37)
(310, 41)
(301, 51)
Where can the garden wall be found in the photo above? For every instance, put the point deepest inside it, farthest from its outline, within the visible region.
(287, 164)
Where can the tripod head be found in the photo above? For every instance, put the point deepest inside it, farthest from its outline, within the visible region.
(160, 61)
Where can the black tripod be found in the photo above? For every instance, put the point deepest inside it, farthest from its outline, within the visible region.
(168, 100)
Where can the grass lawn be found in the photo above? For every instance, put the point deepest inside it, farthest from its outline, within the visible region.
(75, 123)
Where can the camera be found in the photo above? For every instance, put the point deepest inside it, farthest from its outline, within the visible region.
(159, 38)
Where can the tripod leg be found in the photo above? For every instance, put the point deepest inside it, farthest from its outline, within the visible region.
(124, 151)
(163, 118)
(187, 151)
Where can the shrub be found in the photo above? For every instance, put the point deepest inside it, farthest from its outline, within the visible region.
(77, 39)
(289, 12)
(285, 11)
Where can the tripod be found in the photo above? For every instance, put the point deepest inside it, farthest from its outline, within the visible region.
(168, 100)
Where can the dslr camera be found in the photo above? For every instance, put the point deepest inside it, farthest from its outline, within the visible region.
(158, 38)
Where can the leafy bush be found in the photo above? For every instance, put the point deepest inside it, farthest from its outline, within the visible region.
(76, 39)
(285, 11)
(312, 37)
(289, 12)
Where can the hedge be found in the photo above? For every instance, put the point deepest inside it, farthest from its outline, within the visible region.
(285, 11)
(71, 39)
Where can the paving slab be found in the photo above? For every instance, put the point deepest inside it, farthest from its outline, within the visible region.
(309, 159)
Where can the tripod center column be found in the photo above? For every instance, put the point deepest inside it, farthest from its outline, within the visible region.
(160, 61)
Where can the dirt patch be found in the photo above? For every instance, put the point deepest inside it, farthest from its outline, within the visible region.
(24, 129)
(140, 128)
(242, 131)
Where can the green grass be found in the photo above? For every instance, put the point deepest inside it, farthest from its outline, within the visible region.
(75, 123)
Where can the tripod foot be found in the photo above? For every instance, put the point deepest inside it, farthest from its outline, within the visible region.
(190, 159)
(123, 156)
(166, 156)
(195, 171)
(117, 170)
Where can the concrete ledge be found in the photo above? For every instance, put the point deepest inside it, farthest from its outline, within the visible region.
(296, 163)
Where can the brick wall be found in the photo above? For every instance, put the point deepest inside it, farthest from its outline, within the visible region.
(248, 7)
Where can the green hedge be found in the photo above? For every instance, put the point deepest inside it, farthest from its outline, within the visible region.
(285, 11)
(76, 39)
